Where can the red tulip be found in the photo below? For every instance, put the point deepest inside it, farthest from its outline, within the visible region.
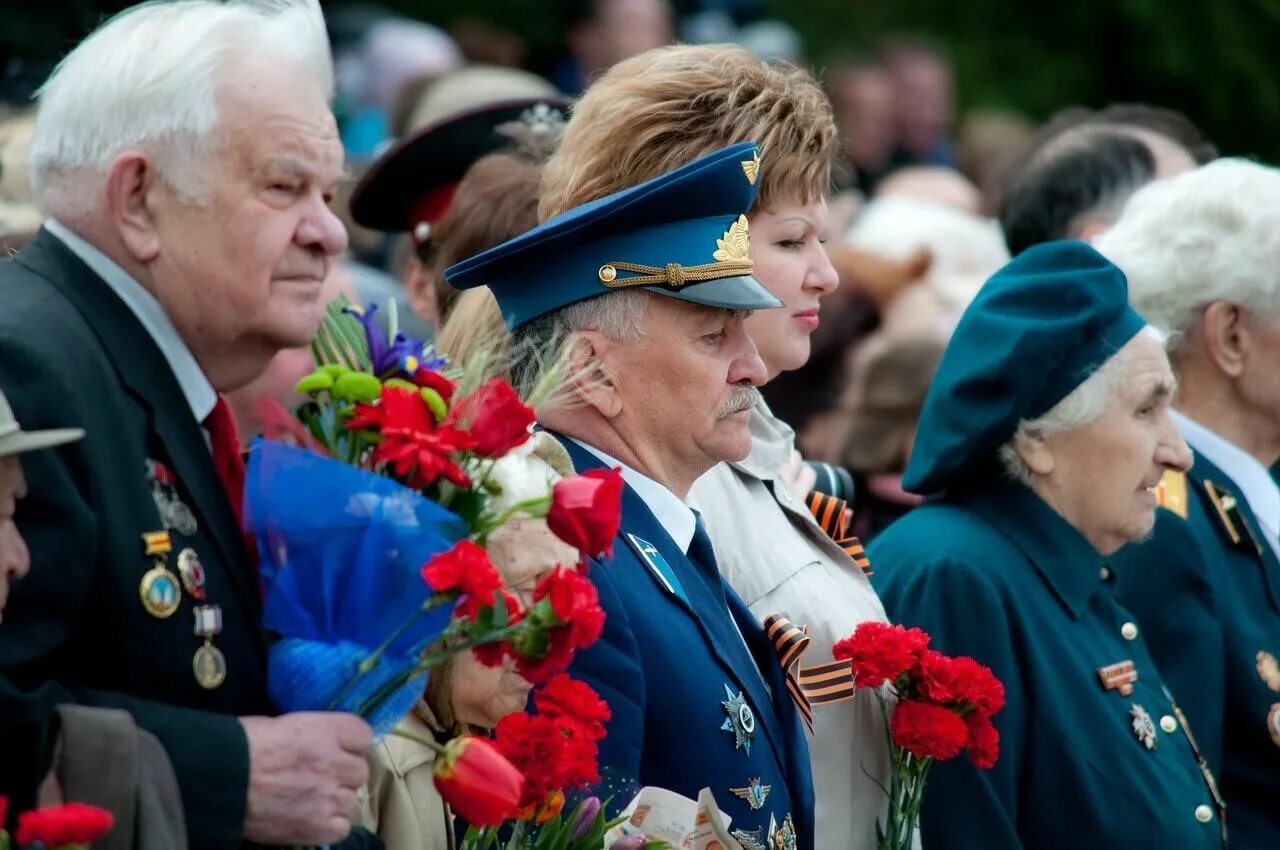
(495, 418)
(74, 823)
(478, 781)
(585, 510)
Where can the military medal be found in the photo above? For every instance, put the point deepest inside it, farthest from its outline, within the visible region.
(209, 664)
(782, 837)
(754, 794)
(160, 592)
(164, 492)
(192, 573)
(741, 721)
(1119, 677)
(1143, 727)
(1268, 669)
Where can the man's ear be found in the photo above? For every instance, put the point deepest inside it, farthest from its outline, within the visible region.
(591, 375)
(1225, 335)
(132, 186)
(1035, 452)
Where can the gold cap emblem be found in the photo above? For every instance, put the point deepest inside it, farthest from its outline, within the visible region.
(734, 246)
(751, 168)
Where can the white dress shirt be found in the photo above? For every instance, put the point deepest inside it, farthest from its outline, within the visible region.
(200, 394)
(1246, 472)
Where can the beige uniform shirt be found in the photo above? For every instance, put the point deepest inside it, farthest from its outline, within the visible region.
(774, 554)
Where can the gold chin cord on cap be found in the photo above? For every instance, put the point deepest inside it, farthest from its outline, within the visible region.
(731, 260)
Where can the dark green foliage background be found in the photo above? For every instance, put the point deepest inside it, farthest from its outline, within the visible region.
(1216, 60)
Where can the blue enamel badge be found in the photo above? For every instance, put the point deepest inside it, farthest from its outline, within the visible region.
(658, 566)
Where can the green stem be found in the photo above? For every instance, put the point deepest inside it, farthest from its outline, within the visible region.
(363, 668)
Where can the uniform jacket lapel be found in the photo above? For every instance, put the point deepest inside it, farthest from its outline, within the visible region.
(1205, 472)
(146, 373)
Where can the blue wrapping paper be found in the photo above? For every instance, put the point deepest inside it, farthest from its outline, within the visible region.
(340, 552)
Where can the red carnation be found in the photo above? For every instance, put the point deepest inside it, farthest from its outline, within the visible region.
(477, 781)
(494, 417)
(578, 623)
(983, 690)
(879, 651)
(574, 705)
(536, 746)
(493, 654)
(984, 741)
(465, 568)
(73, 823)
(585, 510)
(416, 450)
(928, 730)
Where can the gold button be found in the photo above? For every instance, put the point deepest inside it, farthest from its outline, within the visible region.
(1169, 724)
(1129, 630)
(1204, 814)
(1104, 573)
(608, 273)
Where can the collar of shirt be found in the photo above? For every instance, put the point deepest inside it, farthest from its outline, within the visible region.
(772, 442)
(1066, 561)
(200, 394)
(1251, 477)
(675, 517)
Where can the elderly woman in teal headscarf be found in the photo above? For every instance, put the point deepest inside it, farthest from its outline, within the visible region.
(1040, 446)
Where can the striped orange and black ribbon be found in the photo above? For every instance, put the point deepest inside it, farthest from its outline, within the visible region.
(821, 684)
(832, 515)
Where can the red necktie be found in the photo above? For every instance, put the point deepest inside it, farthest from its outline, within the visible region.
(227, 459)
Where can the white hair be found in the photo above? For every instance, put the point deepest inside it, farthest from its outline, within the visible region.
(1082, 406)
(966, 249)
(1212, 234)
(543, 343)
(149, 79)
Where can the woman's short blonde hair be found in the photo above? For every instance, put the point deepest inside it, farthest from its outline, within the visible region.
(666, 107)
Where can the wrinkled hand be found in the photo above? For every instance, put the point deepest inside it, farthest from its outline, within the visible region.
(798, 477)
(304, 771)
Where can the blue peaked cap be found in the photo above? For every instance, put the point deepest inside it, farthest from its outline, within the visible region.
(682, 234)
(1036, 330)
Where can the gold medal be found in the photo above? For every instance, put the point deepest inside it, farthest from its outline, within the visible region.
(160, 592)
(209, 666)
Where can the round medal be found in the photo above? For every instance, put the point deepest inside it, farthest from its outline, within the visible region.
(192, 572)
(209, 666)
(160, 592)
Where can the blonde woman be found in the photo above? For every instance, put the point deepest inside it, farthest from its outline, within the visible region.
(646, 116)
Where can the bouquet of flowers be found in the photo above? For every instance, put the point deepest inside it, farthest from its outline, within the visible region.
(371, 516)
(69, 827)
(944, 705)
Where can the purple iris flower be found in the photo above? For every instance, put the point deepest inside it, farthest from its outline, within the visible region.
(403, 354)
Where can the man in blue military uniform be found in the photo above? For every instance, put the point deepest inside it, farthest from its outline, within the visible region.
(642, 295)
(1044, 432)
(1220, 310)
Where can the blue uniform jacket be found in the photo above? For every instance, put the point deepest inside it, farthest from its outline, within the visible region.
(668, 662)
(994, 573)
(1226, 598)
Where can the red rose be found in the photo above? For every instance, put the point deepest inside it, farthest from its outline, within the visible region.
(928, 730)
(74, 823)
(984, 741)
(574, 705)
(465, 568)
(577, 621)
(494, 416)
(477, 781)
(586, 509)
(433, 380)
(879, 651)
(415, 449)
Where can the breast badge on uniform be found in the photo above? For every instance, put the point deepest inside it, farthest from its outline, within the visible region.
(159, 590)
(192, 573)
(1233, 523)
(754, 794)
(1144, 728)
(174, 513)
(1119, 677)
(1269, 670)
(741, 721)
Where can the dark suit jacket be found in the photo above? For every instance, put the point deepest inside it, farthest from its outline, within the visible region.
(75, 630)
(668, 660)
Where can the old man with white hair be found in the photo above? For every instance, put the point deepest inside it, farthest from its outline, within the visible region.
(1202, 254)
(185, 154)
(1043, 434)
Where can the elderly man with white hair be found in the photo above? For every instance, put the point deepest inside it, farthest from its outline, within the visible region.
(185, 154)
(1202, 254)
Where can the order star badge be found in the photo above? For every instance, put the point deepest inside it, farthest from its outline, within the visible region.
(1143, 727)
(741, 721)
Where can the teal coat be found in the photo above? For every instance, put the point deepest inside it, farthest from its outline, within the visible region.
(994, 573)
(1225, 599)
